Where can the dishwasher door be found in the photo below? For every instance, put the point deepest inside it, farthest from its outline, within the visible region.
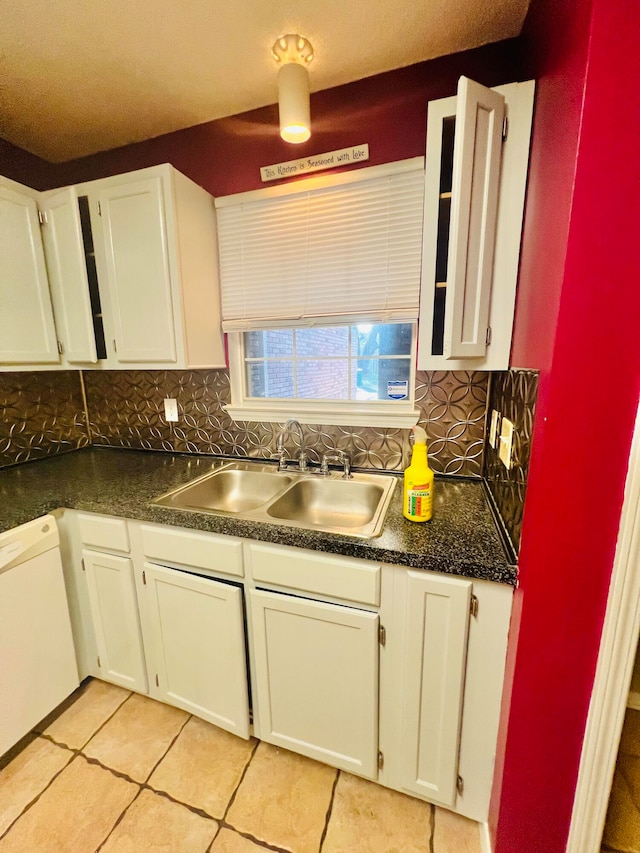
(37, 658)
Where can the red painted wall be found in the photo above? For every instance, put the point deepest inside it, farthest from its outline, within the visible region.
(578, 315)
(388, 111)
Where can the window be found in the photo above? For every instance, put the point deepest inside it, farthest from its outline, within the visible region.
(320, 290)
(349, 374)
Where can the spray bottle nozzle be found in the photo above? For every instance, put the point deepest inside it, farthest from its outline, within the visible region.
(419, 435)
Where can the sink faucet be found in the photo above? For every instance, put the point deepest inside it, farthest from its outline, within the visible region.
(292, 423)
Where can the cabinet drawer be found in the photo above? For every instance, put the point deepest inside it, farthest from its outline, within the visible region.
(103, 532)
(339, 577)
(190, 548)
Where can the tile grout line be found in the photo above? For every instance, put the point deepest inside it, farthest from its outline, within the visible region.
(264, 844)
(118, 821)
(166, 752)
(432, 828)
(37, 797)
(75, 753)
(240, 781)
(329, 810)
(78, 749)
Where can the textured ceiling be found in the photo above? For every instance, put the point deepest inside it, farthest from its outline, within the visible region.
(78, 77)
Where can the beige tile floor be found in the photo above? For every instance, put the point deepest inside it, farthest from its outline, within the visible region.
(119, 773)
(622, 827)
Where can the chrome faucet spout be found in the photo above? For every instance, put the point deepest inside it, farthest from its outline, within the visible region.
(292, 423)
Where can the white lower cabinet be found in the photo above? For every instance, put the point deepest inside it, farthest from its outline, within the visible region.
(434, 658)
(316, 672)
(390, 673)
(199, 647)
(116, 622)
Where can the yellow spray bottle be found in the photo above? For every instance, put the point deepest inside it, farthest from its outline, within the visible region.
(418, 481)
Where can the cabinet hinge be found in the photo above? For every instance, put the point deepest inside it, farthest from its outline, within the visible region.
(144, 581)
(488, 337)
(60, 347)
(505, 128)
(473, 605)
(115, 345)
(82, 562)
(42, 217)
(382, 635)
(157, 680)
(380, 760)
(99, 664)
(100, 209)
(460, 785)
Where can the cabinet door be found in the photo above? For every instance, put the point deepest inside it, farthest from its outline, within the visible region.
(475, 184)
(199, 646)
(138, 270)
(27, 330)
(114, 608)
(436, 625)
(66, 265)
(316, 671)
(474, 200)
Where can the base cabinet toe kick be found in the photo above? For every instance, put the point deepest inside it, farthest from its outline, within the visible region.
(390, 673)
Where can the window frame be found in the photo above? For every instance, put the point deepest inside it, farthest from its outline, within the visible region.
(399, 414)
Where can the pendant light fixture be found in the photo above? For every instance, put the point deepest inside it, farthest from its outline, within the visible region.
(293, 53)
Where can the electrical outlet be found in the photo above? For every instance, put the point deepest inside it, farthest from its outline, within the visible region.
(506, 442)
(171, 409)
(493, 429)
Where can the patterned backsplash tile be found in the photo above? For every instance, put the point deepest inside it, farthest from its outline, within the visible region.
(41, 414)
(513, 394)
(126, 410)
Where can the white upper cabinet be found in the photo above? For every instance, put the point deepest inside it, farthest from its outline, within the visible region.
(137, 271)
(27, 330)
(154, 233)
(476, 172)
(131, 275)
(67, 269)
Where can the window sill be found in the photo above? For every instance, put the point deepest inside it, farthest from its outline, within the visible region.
(317, 413)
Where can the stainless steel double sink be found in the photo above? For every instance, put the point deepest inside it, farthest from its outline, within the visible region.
(257, 492)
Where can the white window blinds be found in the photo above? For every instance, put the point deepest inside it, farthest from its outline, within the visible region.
(321, 252)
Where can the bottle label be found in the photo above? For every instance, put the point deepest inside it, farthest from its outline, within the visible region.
(419, 500)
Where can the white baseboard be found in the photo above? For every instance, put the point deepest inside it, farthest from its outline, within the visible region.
(485, 838)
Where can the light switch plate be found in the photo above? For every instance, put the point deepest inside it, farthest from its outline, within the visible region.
(493, 429)
(171, 409)
(506, 442)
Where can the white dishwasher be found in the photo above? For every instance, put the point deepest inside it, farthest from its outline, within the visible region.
(37, 657)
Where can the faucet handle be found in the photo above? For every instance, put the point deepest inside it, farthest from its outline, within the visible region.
(280, 455)
(336, 456)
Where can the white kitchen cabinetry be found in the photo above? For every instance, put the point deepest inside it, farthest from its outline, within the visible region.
(441, 677)
(391, 673)
(199, 646)
(103, 602)
(27, 329)
(435, 650)
(67, 271)
(112, 597)
(154, 234)
(317, 679)
(133, 284)
(473, 209)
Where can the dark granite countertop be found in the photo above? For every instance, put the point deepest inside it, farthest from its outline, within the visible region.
(461, 539)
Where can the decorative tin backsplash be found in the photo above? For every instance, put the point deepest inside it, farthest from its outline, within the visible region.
(41, 414)
(126, 410)
(513, 394)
